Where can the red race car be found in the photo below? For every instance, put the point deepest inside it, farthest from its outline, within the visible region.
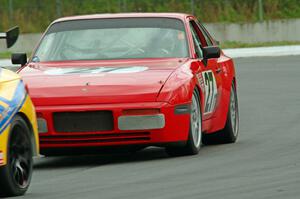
(144, 79)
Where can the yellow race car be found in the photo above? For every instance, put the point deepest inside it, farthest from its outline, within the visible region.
(18, 131)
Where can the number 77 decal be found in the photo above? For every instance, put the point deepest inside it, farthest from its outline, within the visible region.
(211, 91)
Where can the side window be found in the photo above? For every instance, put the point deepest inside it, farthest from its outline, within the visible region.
(197, 42)
(205, 34)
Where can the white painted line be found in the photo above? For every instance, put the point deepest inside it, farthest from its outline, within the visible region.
(263, 51)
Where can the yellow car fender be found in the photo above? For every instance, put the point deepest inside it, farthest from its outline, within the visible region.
(14, 100)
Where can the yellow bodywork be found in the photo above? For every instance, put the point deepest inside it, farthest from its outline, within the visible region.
(15, 100)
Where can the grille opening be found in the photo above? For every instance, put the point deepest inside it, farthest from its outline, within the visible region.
(89, 121)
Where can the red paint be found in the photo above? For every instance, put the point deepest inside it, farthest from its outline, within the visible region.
(166, 83)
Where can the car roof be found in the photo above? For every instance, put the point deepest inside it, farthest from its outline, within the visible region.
(180, 16)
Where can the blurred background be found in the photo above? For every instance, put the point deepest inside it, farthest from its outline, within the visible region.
(235, 23)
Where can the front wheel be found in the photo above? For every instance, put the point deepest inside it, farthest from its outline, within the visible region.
(15, 176)
(231, 131)
(195, 133)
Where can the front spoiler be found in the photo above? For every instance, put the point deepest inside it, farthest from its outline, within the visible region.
(165, 127)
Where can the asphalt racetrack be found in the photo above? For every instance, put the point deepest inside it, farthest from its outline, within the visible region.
(264, 163)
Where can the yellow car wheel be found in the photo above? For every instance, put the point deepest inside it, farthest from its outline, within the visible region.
(16, 174)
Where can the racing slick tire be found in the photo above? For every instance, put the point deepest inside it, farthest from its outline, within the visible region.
(15, 176)
(231, 130)
(193, 144)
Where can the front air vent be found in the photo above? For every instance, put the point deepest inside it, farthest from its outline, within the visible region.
(89, 121)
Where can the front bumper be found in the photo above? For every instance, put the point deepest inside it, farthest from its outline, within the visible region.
(165, 127)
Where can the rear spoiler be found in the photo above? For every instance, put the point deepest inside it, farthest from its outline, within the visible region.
(11, 36)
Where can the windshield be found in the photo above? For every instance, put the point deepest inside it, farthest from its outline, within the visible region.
(107, 39)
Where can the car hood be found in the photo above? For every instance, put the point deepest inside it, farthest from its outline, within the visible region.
(7, 76)
(97, 82)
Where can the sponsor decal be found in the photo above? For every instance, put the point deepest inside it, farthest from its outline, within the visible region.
(95, 70)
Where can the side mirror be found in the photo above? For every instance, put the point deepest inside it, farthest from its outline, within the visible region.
(211, 52)
(11, 36)
(19, 58)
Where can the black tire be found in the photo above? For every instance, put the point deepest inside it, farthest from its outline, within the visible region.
(15, 176)
(231, 130)
(193, 144)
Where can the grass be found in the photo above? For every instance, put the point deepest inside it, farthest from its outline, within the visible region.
(35, 16)
(7, 55)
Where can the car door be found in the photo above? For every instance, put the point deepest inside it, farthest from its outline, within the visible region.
(209, 72)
